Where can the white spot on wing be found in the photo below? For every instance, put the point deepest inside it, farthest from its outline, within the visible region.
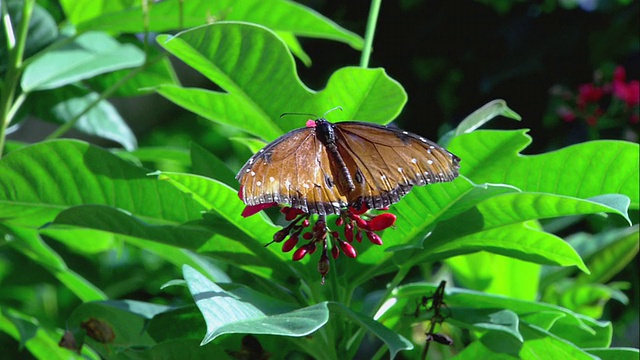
(258, 183)
(271, 179)
(429, 162)
(253, 173)
(414, 160)
(400, 169)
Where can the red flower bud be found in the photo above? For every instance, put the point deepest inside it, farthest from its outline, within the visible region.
(290, 244)
(382, 221)
(305, 222)
(323, 264)
(300, 253)
(348, 232)
(374, 238)
(363, 209)
(335, 252)
(307, 236)
(362, 224)
(311, 247)
(359, 236)
(348, 250)
(339, 221)
(335, 234)
(280, 235)
(254, 209)
(292, 214)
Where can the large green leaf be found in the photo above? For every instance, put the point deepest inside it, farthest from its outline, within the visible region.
(88, 55)
(40, 342)
(256, 71)
(64, 104)
(394, 341)
(225, 313)
(584, 170)
(279, 15)
(41, 180)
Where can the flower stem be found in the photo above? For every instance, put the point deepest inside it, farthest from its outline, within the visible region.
(371, 29)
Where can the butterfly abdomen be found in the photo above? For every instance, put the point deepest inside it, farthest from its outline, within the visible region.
(327, 136)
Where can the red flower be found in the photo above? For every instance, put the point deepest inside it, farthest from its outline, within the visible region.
(589, 93)
(619, 74)
(566, 114)
(254, 209)
(627, 92)
(354, 221)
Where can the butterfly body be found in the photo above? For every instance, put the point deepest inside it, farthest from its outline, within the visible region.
(327, 167)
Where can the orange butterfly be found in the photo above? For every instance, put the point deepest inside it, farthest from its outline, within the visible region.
(326, 167)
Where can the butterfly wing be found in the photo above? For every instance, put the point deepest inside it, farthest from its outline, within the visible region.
(386, 163)
(295, 170)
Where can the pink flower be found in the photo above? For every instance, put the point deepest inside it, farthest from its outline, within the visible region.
(589, 93)
(619, 74)
(627, 92)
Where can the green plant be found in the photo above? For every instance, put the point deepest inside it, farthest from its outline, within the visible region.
(65, 204)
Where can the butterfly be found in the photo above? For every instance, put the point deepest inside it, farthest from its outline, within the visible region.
(327, 167)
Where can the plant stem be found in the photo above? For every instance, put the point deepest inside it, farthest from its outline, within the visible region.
(371, 29)
(16, 46)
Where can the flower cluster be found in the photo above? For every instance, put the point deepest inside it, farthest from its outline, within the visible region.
(606, 102)
(356, 224)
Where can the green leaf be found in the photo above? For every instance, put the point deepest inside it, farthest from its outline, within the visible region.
(105, 218)
(41, 180)
(225, 313)
(599, 335)
(404, 298)
(505, 321)
(163, 157)
(615, 353)
(496, 274)
(126, 319)
(64, 104)
(478, 118)
(41, 344)
(90, 54)
(252, 232)
(175, 349)
(29, 243)
(279, 15)
(539, 341)
(42, 31)
(611, 258)
(207, 164)
(584, 170)
(246, 61)
(77, 12)
(484, 114)
(152, 74)
(394, 341)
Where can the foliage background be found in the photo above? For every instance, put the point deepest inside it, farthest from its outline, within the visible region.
(462, 54)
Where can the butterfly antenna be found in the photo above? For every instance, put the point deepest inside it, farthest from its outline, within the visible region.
(297, 113)
(335, 108)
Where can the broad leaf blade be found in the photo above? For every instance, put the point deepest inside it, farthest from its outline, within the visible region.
(225, 313)
(90, 54)
(279, 15)
(584, 170)
(250, 62)
(41, 180)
